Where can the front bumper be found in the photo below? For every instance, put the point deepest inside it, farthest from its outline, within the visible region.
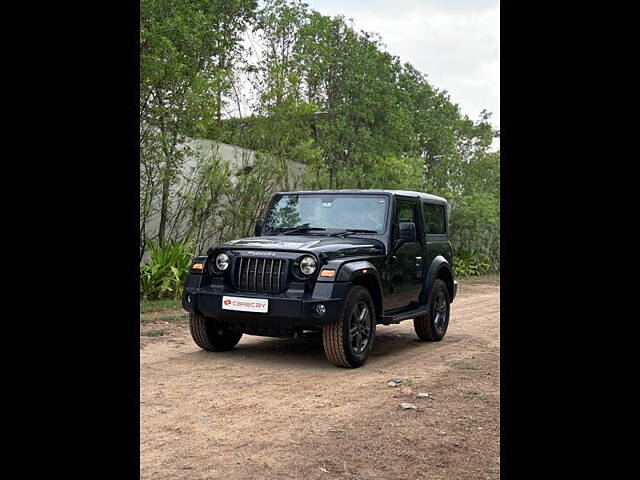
(292, 310)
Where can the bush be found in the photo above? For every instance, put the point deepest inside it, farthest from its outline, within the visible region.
(475, 229)
(166, 271)
(466, 263)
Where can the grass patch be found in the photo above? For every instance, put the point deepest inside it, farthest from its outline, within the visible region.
(474, 393)
(147, 306)
(462, 364)
(488, 279)
(154, 333)
(179, 317)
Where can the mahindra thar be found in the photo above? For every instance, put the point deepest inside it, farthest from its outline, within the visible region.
(337, 262)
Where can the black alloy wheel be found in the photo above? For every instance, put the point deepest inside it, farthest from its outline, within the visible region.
(359, 327)
(347, 341)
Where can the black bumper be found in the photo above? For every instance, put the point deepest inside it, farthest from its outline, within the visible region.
(289, 311)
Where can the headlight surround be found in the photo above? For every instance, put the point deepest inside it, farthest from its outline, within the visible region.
(308, 265)
(222, 262)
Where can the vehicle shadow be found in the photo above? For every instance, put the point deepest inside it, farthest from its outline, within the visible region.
(307, 351)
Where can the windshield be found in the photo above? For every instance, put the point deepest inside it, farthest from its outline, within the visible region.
(339, 212)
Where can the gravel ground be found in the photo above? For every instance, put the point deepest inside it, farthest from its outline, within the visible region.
(275, 408)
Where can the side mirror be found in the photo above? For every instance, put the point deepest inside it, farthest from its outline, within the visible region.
(407, 231)
(258, 230)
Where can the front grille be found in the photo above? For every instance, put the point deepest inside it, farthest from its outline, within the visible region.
(260, 274)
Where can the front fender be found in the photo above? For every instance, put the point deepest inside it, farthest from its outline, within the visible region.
(359, 272)
(349, 271)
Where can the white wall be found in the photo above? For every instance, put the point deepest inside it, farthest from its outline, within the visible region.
(237, 156)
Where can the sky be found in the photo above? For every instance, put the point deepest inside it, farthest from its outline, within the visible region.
(456, 43)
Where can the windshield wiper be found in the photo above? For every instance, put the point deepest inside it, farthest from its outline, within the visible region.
(301, 229)
(351, 231)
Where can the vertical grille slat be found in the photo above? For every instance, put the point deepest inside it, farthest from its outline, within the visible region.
(260, 274)
(280, 274)
(275, 268)
(264, 264)
(255, 275)
(239, 272)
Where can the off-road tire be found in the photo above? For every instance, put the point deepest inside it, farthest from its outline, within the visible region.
(425, 325)
(212, 335)
(336, 341)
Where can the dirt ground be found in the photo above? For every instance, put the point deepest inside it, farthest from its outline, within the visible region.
(276, 409)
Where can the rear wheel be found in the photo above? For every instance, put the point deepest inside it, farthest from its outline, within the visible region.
(347, 341)
(212, 335)
(433, 325)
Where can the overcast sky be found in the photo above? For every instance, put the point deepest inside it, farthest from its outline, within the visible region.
(455, 42)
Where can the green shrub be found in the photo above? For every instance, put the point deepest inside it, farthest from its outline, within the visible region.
(475, 229)
(163, 275)
(466, 263)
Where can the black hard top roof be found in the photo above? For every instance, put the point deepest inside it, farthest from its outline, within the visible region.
(404, 193)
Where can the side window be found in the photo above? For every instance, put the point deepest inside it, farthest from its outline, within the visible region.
(434, 219)
(406, 212)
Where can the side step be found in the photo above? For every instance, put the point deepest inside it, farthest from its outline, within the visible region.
(406, 315)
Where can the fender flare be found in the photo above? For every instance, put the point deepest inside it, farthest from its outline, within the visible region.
(350, 272)
(438, 265)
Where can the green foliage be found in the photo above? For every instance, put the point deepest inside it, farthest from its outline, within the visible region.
(164, 274)
(466, 263)
(320, 92)
(248, 198)
(150, 306)
(187, 50)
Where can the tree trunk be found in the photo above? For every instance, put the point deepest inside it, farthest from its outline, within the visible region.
(164, 207)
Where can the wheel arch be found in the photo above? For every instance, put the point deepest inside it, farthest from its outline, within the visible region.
(439, 269)
(365, 274)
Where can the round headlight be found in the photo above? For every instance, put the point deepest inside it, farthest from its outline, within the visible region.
(222, 261)
(308, 265)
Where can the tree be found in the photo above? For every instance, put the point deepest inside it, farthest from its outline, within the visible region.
(185, 52)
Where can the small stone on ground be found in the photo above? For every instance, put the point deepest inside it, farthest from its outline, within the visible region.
(408, 406)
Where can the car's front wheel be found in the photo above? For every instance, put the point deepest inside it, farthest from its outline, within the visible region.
(212, 335)
(347, 341)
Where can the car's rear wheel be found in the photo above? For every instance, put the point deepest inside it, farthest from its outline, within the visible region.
(433, 325)
(348, 341)
(212, 335)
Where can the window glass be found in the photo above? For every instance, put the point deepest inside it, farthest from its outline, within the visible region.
(434, 218)
(327, 211)
(405, 212)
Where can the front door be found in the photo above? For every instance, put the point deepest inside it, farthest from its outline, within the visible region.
(405, 262)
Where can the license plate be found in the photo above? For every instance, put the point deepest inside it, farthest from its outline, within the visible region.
(257, 305)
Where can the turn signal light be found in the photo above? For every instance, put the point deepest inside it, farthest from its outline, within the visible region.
(328, 273)
(197, 266)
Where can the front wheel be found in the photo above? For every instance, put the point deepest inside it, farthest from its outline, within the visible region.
(347, 341)
(433, 325)
(212, 335)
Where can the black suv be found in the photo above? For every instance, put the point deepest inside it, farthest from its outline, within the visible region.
(331, 261)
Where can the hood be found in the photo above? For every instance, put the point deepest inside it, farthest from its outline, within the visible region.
(330, 246)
